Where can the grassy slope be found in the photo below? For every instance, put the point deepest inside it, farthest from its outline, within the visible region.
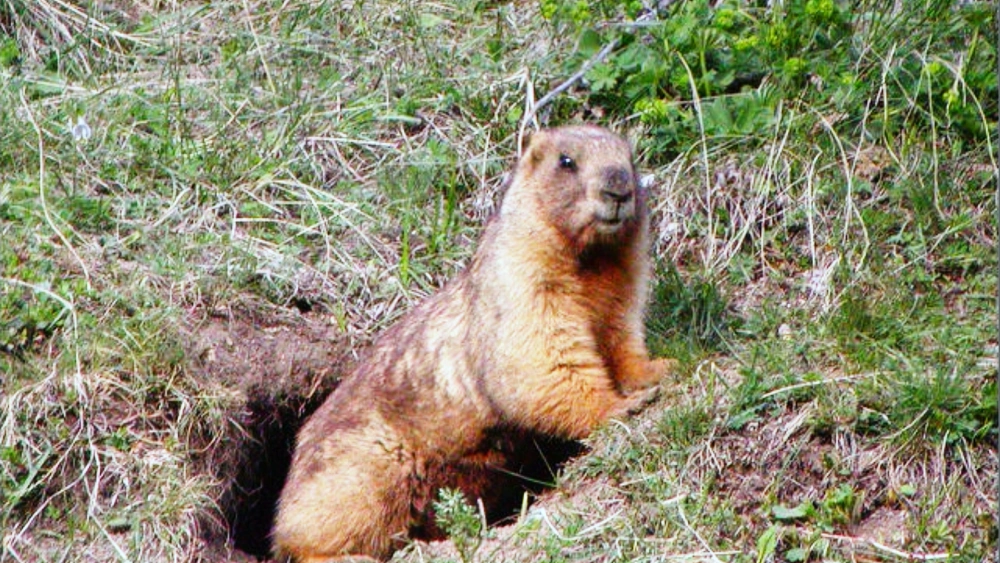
(834, 313)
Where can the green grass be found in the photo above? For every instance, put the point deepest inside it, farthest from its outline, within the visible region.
(823, 226)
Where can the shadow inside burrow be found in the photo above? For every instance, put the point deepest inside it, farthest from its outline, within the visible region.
(251, 499)
(271, 423)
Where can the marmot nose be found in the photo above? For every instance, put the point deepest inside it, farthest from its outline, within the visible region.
(617, 185)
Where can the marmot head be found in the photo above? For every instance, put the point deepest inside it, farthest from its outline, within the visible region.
(582, 180)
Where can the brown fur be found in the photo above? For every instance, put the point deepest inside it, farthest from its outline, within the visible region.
(542, 333)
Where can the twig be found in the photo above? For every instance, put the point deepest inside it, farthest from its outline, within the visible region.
(814, 383)
(582, 534)
(482, 516)
(896, 552)
(533, 111)
(712, 554)
(850, 208)
(709, 206)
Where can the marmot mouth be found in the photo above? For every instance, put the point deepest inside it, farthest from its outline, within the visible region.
(608, 225)
(613, 214)
(613, 219)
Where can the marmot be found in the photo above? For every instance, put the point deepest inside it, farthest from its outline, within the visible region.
(541, 333)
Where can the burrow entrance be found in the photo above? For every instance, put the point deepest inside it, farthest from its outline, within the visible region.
(280, 364)
(285, 366)
(249, 503)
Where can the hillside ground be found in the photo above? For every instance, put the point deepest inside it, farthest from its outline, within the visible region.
(207, 209)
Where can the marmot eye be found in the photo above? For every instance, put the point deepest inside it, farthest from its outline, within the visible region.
(567, 162)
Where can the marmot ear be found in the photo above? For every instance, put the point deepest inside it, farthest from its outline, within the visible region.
(532, 140)
(525, 143)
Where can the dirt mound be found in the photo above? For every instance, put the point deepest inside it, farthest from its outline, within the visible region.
(244, 349)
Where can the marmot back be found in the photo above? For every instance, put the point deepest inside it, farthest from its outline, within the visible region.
(541, 334)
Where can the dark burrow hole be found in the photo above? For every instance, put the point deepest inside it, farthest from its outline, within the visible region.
(272, 423)
(302, 305)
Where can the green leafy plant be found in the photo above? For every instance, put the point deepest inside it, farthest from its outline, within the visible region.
(460, 521)
(840, 506)
(735, 63)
